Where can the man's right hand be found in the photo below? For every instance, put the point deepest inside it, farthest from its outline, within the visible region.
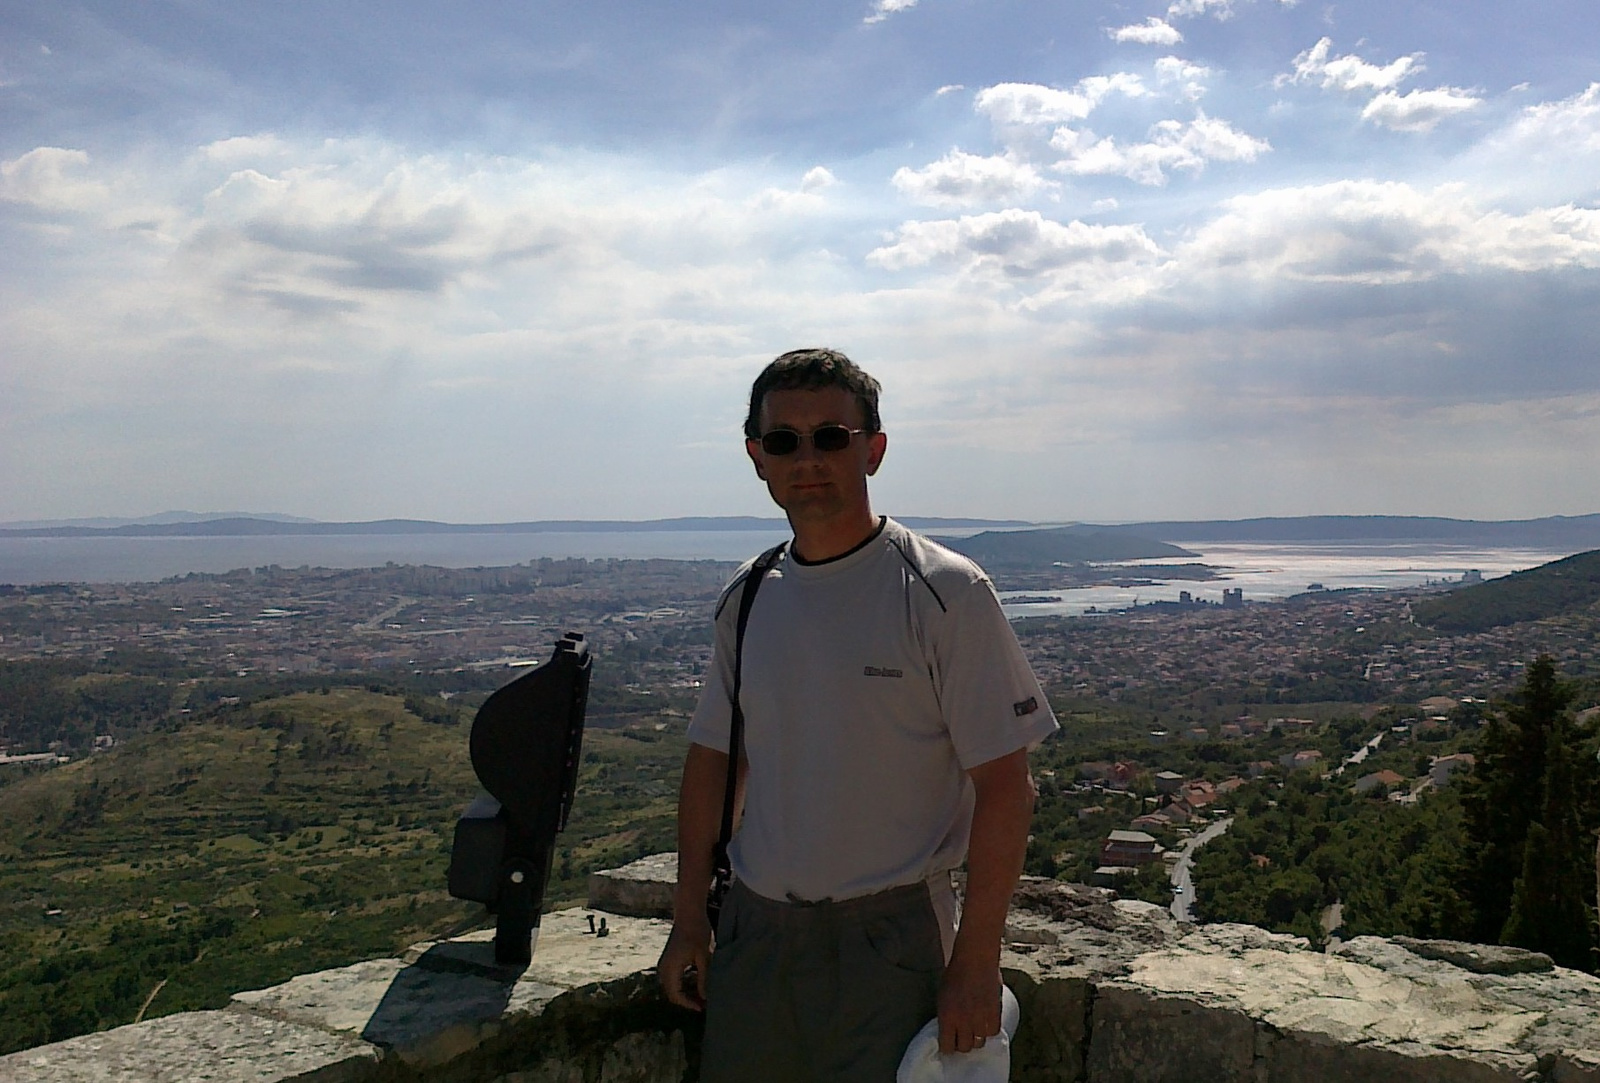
(688, 947)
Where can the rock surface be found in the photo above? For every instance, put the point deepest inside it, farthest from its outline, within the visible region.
(1111, 990)
(641, 889)
(216, 1046)
(1233, 1002)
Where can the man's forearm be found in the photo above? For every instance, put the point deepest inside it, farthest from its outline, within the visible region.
(1001, 816)
(969, 993)
(705, 773)
(687, 955)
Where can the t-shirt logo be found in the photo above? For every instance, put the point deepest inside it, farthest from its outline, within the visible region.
(880, 671)
(1027, 706)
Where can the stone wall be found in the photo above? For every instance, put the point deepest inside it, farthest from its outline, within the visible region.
(1111, 990)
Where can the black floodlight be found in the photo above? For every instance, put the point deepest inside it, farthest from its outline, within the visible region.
(526, 743)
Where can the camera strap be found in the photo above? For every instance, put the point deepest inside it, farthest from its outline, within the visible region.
(721, 867)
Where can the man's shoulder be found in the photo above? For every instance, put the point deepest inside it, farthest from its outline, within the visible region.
(946, 572)
(736, 583)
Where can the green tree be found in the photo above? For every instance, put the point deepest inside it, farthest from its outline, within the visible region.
(1532, 806)
(1506, 792)
(1549, 906)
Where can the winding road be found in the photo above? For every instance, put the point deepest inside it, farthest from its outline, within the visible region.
(1182, 881)
(1361, 753)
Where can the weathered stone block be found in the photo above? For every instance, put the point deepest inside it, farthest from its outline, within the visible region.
(645, 1058)
(1303, 1058)
(1053, 1033)
(423, 1014)
(214, 1046)
(1479, 958)
(636, 1058)
(1579, 1066)
(551, 1071)
(1138, 1036)
(451, 997)
(641, 889)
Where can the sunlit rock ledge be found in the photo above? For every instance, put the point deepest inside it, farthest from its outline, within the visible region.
(1111, 990)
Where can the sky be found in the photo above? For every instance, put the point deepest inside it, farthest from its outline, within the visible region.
(504, 261)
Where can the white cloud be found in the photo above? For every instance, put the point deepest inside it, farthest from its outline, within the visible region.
(1101, 87)
(52, 179)
(1415, 111)
(1189, 77)
(322, 240)
(1153, 31)
(807, 199)
(1418, 110)
(1029, 103)
(960, 179)
(1547, 153)
(247, 148)
(1219, 9)
(1572, 124)
(1020, 104)
(816, 179)
(1172, 145)
(1383, 233)
(882, 9)
(1349, 72)
(360, 250)
(949, 88)
(1015, 243)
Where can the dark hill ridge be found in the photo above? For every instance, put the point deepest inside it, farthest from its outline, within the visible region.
(1060, 545)
(254, 527)
(1569, 533)
(1562, 586)
(105, 522)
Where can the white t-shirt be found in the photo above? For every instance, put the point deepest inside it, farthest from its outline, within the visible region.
(871, 683)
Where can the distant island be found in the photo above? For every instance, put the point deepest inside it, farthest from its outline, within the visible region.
(1058, 545)
(1074, 556)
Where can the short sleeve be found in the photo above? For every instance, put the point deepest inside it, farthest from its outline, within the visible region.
(713, 714)
(992, 703)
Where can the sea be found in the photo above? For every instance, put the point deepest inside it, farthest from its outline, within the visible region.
(1272, 571)
(1263, 571)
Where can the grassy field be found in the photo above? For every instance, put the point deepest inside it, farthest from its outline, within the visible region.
(257, 842)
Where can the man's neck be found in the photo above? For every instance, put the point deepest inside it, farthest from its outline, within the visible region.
(822, 540)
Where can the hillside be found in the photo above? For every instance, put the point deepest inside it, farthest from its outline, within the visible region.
(262, 841)
(1550, 590)
(1065, 545)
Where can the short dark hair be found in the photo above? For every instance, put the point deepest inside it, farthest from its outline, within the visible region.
(813, 370)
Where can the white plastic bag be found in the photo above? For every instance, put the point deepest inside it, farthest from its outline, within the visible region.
(923, 1063)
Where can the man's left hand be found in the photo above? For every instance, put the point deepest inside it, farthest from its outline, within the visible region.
(969, 1005)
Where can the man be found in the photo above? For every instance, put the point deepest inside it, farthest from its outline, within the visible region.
(888, 713)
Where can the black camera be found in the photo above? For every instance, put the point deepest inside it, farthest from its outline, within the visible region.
(526, 744)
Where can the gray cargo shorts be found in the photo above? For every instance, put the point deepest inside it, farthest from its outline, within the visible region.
(826, 992)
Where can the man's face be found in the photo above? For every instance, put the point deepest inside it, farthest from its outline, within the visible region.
(814, 485)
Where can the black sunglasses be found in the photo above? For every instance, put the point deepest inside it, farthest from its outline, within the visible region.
(823, 438)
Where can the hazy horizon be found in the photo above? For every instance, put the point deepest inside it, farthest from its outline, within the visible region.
(1113, 262)
(183, 516)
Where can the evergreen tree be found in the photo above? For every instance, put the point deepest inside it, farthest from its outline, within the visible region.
(1549, 908)
(1531, 809)
(1506, 793)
